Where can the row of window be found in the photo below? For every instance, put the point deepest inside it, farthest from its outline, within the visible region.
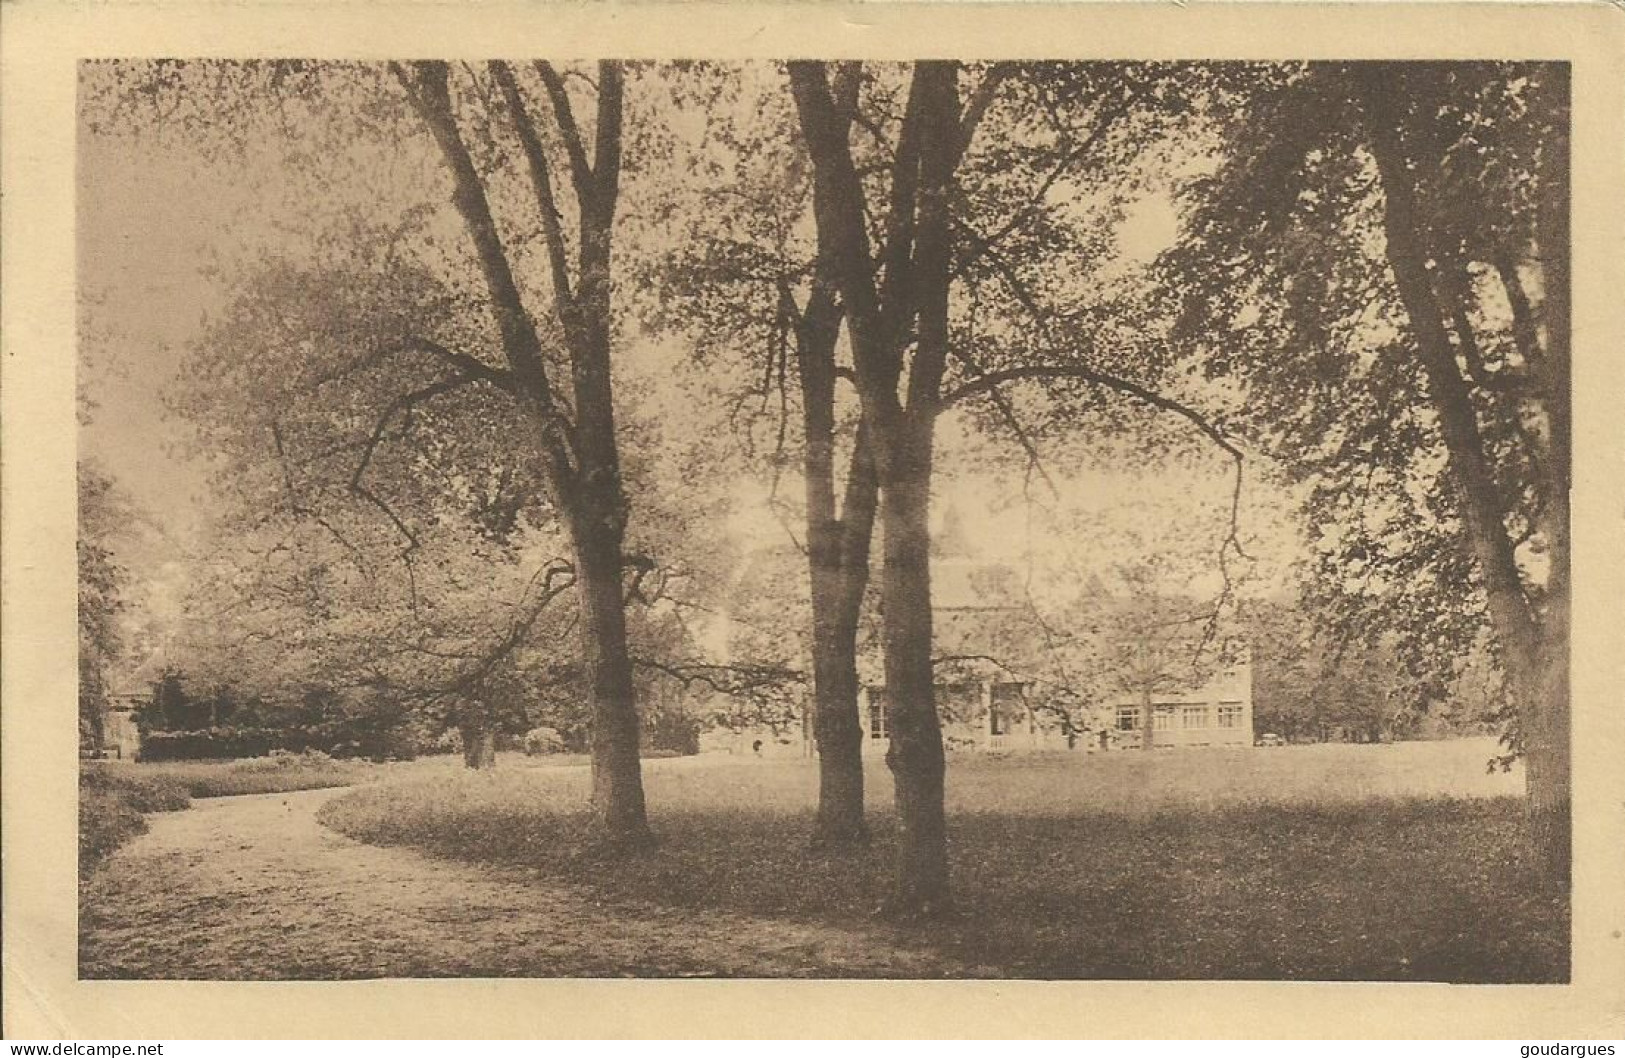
(1002, 723)
(1191, 717)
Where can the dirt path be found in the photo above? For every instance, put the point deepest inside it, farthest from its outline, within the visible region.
(254, 888)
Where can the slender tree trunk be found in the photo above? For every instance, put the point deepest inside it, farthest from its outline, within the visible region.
(1533, 645)
(1148, 721)
(838, 572)
(916, 755)
(837, 602)
(837, 592)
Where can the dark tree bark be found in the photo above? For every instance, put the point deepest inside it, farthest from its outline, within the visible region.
(838, 542)
(1532, 633)
(907, 313)
(617, 786)
(1550, 792)
(575, 441)
(915, 756)
(479, 740)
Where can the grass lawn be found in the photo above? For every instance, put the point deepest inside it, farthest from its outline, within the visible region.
(1403, 862)
(113, 797)
(256, 776)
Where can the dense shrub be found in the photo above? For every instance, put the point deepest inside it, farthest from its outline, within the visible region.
(541, 740)
(144, 791)
(107, 820)
(448, 741)
(222, 743)
(282, 760)
(331, 740)
(221, 723)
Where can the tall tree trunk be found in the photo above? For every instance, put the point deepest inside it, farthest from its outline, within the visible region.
(916, 755)
(838, 572)
(598, 522)
(1533, 651)
(917, 277)
(617, 778)
(581, 460)
(1548, 765)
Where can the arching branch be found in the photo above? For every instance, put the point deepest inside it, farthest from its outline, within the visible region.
(472, 367)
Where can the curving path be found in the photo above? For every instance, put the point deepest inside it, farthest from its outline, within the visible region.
(253, 887)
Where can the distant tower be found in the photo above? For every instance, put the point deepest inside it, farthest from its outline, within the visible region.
(950, 541)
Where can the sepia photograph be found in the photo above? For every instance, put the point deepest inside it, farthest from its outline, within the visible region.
(1098, 520)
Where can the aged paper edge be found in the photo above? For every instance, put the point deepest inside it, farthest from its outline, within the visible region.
(43, 998)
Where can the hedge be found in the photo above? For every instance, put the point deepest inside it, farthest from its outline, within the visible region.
(222, 743)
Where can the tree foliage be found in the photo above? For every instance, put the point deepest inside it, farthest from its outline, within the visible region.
(102, 582)
(1379, 264)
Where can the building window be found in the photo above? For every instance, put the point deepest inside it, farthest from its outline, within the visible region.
(1193, 717)
(1162, 718)
(877, 720)
(1128, 718)
(1229, 714)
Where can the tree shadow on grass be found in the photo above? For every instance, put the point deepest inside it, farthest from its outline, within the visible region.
(1426, 890)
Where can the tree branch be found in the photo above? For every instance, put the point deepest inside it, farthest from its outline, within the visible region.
(430, 95)
(472, 367)
(977, 106)
(581, 170)
(1067, 160)
(746, 678)
(607, 139)
(542, 182)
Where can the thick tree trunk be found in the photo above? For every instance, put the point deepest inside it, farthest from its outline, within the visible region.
(1546, 772)
(839, 734)
(1548, 763)
(479, 741)
(917, 277)
(581, 460)
(617, 778)
(1533, 641)
(836, 724)
(916, 755)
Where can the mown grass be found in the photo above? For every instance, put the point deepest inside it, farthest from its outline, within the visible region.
(113, 798)
(112, 804)
(1328, 863)
(258, 775)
